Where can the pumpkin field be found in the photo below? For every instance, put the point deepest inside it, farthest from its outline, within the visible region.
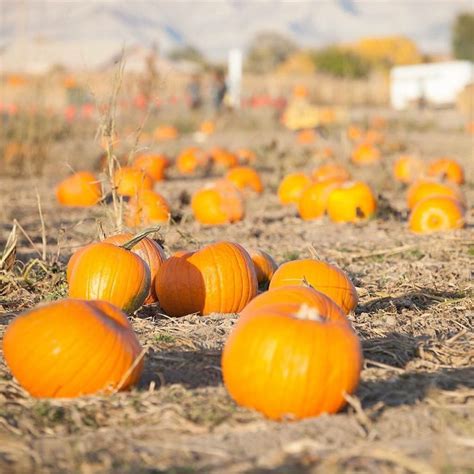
(183, 293)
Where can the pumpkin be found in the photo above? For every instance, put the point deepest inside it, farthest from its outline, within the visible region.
(218, 278)
(408, 169)
(446, 169)
(322, 276)
(165, 132)
(297, 294)
(373, 136)
(190, 159)
(313, 201)
(147, 207)
(149, 251)
(264, 265)
(153, 165)
(246, 156)
(291, 363)
(129, 181)
(207, 127)
(82, 189)
(223, 158)
(365, 154)
(71, 348)
(245, 177)
(292, 186)
(354, 133)
(436, 214)
(217, 204)
(330, 171)
(351, 202)
(106, 272)
(424, 189)
(306, 136)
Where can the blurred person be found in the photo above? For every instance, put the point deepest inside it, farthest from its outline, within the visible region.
(194, 92)
(218, 90)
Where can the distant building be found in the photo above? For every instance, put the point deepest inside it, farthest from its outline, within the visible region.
(435, 84)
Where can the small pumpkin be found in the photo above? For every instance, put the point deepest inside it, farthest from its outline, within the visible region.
(313, 201)
(217, 204)
(366, 154)
(290, 363)
(103, 271)
(165, 133)
(130, 181)
(292, 186)
(351, 202)
(306, 136)
(208, 127)
(436, 214)
(264, 265)
(82, 189)
(446, 169)
(354, 133)
(190, 159)
(331, 171)
(218, 278)
(322, 276)
(423, 189)
(71, 348)
(223, 158)
(245, 178)
(154, 165)
(147, 207)
(149, 251)
(246, 155)
(408, 169)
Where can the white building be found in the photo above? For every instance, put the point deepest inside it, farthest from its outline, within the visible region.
(438, 84)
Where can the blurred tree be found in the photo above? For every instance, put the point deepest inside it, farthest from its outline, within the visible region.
(463, 36)
(341, 62)
(388, 51)
(267, 50)
(187, 53)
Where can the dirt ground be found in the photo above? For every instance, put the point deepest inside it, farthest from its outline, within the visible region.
(414, 409)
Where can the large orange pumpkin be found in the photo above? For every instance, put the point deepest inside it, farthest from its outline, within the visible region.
(264, 265)
(297, 294)
(322, 276)
(71, 348)
(147, 207)
(190, 159)
(408, 169)
(446, 169)
(292, 186)
(217, 204)
(423, 189)
(130, 181)
(331, 171)
(153, 165)
(351, 202)
(290, 363)
(218, 278)
(245, 177)
(103, 271)
(149, 251)
(436, 214)
(365, 154)
(82, 189)
(313, 201)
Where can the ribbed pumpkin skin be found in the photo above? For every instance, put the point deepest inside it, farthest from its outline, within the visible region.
(424, 189)
(286, 367)
(322, 276)
(313, 201)
(149, 251)
(292, 186)
(82, 189)
(71, 348)
(130, 181)
(106, 272)
(436, 214)
(351, 202)
(245, 178)
(218, 278)
(447, 169)
(264, 265)
(294, 294)
(147, 207)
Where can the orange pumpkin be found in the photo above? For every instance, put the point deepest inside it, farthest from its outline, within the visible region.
(365, 154)
(147, 207)
(130, 181)
(354, 133)
(246, 156)
(331, 171)
(165, 132)
(103, 271)
(306, 136)
(82, 189)
(322, 276)
(290, 363)
(153, 165)
(351, 202)
(296, 294)
(149, 251)
(446, 169)
(223, 158)
(245, 177)
(373, 136)
(217, 204)
(408, 169)
(313, 201)
(264, 265)
(292, 186)
(423, 189)
(436, 214)
(190, 159)
(71, 348)
(207, 127)
(300, 91)
(218, 278)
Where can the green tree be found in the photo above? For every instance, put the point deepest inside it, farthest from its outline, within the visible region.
(463, 36)
(341, 63)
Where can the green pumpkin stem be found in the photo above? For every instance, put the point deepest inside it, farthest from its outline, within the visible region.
(139, 237)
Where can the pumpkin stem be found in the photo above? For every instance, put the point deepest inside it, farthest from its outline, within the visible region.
(139, 237)
(308, 313)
